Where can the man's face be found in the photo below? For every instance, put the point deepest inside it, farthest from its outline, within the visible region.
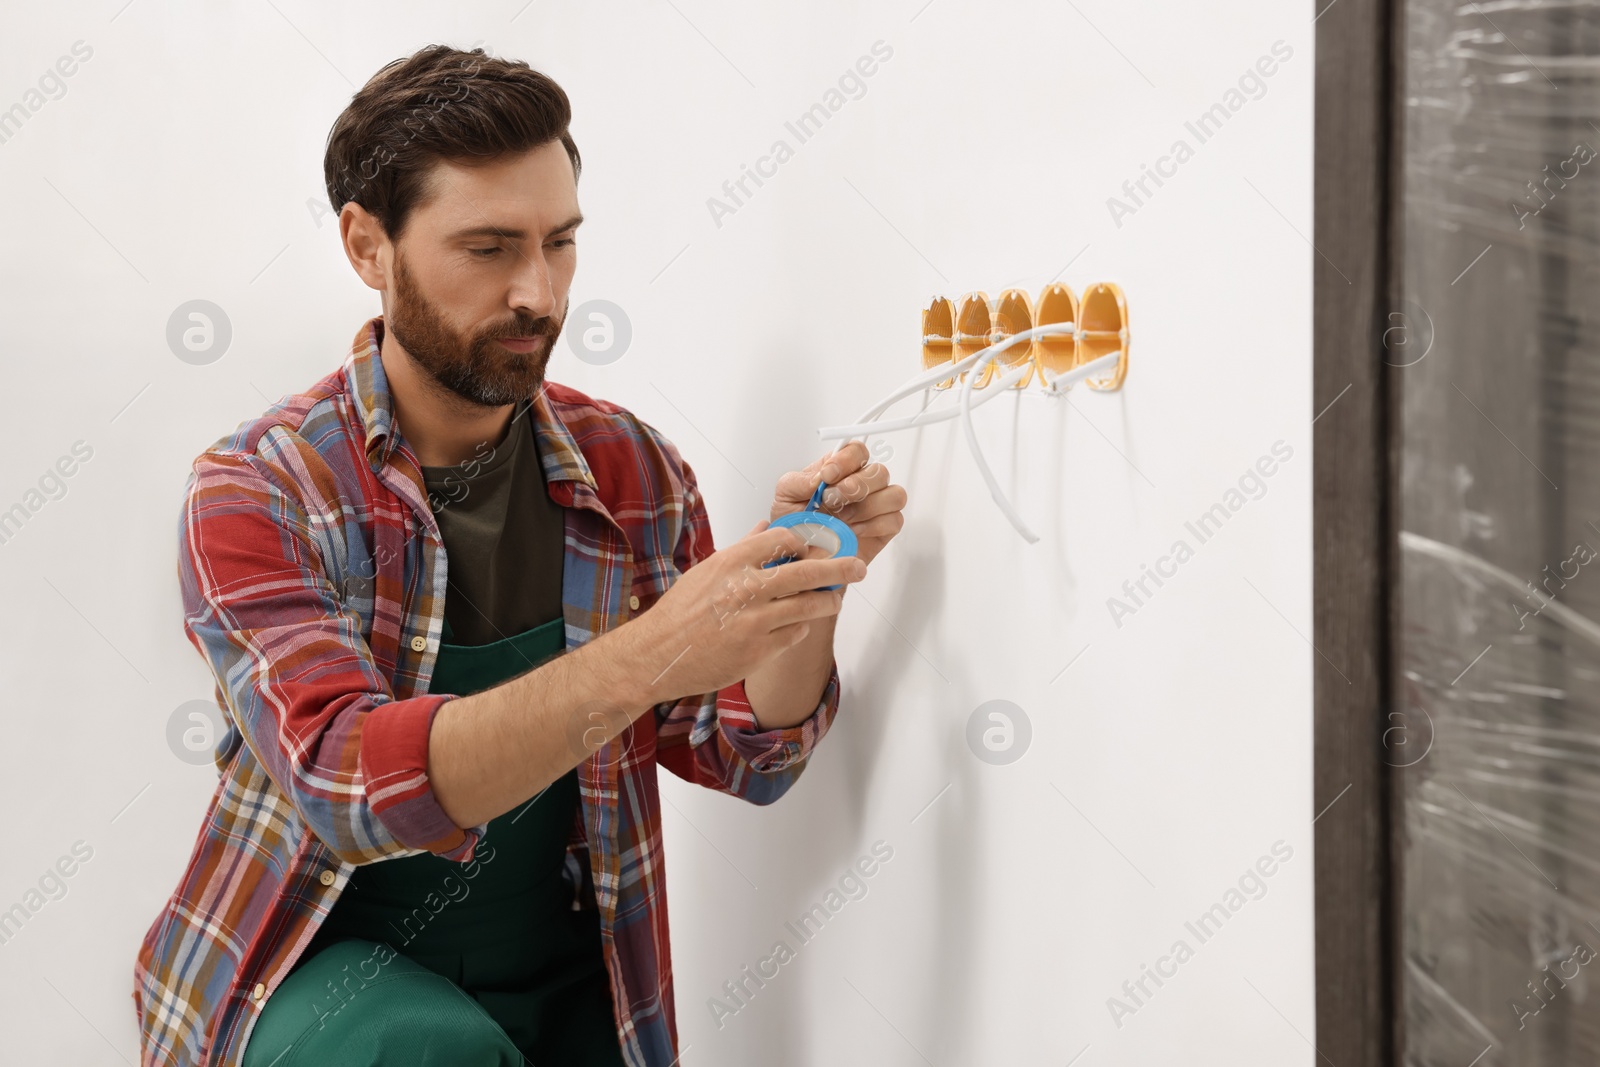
(479, 277)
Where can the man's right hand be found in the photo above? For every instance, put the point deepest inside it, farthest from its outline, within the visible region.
(727, 615)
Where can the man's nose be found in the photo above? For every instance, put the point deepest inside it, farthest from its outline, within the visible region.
(531, 292)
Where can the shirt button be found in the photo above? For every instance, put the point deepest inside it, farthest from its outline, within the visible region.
(328, 878)
(633, 602)
(258, 992)
(419, 643)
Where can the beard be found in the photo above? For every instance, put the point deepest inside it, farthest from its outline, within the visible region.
(471, 366)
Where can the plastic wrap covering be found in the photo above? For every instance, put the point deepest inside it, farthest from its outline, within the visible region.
(1496, 725)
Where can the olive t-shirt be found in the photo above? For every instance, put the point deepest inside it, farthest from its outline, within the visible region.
(503, 538)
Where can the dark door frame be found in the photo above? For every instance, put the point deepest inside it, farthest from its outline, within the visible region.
(1354, 540)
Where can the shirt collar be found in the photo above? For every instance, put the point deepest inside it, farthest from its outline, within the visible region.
(369, 386)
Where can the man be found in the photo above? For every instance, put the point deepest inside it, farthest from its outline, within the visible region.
(458, 615)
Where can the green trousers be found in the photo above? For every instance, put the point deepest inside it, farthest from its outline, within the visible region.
(361, 1004)
(502, 971)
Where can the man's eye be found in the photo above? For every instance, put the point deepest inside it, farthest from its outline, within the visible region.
(484, 253)
(565, 242)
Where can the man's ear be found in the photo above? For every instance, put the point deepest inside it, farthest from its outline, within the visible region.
(365, 245)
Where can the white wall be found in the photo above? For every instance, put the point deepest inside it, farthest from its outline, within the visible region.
(1172, 754)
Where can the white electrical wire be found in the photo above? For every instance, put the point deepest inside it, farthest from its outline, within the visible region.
(977, 453)
(1055, 385)
(950, 370)
(1058, 383)
(1010, 513)
(922, 418)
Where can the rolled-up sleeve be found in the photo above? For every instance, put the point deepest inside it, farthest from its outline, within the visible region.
(778, 749)
(296, 673)
(713, 739)
(394, 765)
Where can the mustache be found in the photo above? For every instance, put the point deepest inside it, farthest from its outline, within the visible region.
(523, 326)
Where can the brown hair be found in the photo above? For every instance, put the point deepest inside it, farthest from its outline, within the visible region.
(438, 103)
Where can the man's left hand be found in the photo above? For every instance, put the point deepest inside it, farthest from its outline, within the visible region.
(858, 493)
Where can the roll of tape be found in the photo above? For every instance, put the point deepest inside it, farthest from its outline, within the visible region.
(818, 528)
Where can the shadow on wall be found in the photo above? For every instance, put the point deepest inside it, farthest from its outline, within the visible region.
(902, 643)
(900, 626)
(902, 640)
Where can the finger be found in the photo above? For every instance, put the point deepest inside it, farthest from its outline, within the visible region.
(802, 607)
(857, 486)
(805, 575)
(800, 484)
(772, 543)
(880, 502)
(885, 525)
(805, 541)
(814, 536)
(849, 457)
(817, 550)
(797, 486)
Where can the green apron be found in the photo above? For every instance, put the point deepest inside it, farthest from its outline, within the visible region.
(447, 942)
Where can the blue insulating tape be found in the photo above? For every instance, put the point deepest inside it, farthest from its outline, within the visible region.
(847, 536)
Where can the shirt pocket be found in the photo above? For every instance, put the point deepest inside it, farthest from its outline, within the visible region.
(644, 592)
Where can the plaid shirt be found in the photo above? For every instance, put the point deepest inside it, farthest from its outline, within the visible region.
(313, 580)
